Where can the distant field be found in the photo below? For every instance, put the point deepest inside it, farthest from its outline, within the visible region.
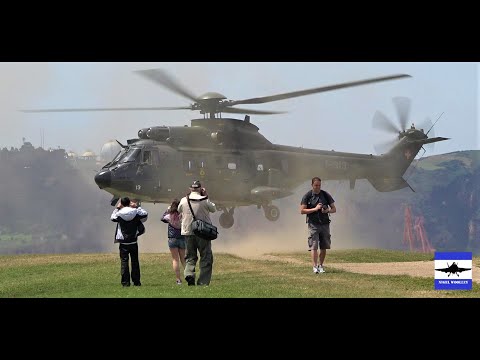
(350, 274)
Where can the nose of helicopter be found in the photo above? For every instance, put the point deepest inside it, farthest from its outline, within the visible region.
(103, 179)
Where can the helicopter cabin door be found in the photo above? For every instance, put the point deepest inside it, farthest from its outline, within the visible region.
(148, 172)
(278, 173)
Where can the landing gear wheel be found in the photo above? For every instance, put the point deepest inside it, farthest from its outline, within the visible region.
(226, 220)
(272, 212)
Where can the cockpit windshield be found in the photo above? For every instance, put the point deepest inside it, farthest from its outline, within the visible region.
(130, 156)
(125, 155)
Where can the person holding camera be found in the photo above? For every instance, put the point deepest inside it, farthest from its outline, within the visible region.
(317, 204)
(129, 217)
(202, 207)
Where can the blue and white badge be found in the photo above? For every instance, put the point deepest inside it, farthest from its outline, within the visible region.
(453, 271)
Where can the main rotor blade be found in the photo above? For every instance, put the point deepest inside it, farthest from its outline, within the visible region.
(106, 109)
(384, 147)
(260, 100)
(381, 122)
(402, 104)
(159, 76)
(248, 111)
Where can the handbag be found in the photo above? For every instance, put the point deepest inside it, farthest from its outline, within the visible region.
(202, 228)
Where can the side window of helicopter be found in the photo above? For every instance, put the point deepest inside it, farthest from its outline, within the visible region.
(188, 164)
(147, 157)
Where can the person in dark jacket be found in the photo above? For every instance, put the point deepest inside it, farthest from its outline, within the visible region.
(176, 241)
(128, 216)
(318, 204)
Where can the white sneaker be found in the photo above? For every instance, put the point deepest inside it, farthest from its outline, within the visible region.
(315, 270)
(321, 269)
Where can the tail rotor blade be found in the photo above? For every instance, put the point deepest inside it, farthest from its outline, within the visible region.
(429, 130)
(402, 104)
(381, 122)
(427, 127)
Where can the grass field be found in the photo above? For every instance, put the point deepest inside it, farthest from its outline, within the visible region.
(276, 275)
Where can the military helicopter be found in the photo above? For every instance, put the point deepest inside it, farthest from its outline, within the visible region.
(237, 164)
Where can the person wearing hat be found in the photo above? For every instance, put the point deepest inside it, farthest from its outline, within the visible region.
(202, 207)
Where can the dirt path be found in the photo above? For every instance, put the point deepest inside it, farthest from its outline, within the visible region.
(413, 268)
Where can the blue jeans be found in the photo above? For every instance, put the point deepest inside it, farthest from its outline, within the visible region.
(176, 242)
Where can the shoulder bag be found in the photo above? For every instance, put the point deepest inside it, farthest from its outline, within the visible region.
(202, 228)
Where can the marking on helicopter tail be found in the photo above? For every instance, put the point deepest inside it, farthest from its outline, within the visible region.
(408, 154)
(335, 164)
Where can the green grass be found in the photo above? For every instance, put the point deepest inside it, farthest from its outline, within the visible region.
(98, 276)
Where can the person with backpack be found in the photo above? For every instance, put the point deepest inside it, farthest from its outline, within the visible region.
(317, 204)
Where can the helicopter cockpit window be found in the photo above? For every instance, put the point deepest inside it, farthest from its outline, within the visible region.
(117, 157)
(147, 157)
(131, 155)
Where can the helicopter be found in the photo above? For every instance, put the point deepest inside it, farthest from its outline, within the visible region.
(238, 165)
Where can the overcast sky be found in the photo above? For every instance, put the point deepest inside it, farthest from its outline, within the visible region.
(339, 120)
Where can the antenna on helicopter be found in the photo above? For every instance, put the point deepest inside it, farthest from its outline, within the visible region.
(435, 123)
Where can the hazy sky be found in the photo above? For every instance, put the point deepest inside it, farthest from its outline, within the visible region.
(339, 120)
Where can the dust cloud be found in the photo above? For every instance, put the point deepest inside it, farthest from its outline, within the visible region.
(252, 234)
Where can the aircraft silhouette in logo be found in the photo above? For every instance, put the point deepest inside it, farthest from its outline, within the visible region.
(453, 269)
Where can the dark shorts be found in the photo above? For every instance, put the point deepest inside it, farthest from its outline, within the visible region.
(319, 235)
(176, 243)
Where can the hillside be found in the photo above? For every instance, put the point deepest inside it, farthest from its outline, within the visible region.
(446, 200)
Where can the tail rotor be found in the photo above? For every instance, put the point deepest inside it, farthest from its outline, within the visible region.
(383, 123)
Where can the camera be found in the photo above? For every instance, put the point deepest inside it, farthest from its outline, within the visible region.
(324, 207)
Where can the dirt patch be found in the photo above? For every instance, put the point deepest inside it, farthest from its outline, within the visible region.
(412, 268)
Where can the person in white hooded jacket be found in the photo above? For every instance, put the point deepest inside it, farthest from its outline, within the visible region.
(129, 219)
